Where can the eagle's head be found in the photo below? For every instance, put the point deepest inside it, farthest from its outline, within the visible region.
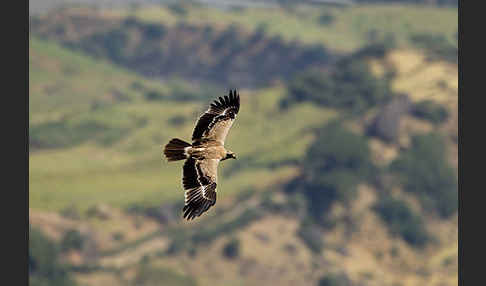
(229, 155)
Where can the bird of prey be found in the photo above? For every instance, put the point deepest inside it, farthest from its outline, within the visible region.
(199, 173)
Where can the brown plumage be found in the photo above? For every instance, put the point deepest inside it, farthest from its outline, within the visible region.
(199, 176)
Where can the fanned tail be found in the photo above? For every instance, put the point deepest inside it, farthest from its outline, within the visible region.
(176, 150)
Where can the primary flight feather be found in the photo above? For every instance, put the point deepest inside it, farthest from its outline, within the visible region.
(199, 173)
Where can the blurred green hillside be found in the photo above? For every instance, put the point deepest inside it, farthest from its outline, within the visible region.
(345, 28)
(109, 135)
(347, 154)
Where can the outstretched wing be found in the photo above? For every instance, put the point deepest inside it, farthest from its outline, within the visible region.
(199, 182)
(215, 123)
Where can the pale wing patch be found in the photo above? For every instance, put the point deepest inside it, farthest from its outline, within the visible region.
(219, 130)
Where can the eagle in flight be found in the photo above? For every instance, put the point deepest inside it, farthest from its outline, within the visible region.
(199, 173)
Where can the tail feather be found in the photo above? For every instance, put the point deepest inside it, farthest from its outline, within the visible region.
(176, 150)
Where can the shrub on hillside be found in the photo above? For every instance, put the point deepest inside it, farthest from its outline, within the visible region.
(178, 8)
(335, 279)
(297, 204)
(118, 236)
(326, 19)
(379, 45)
(153, 95)
(424, 171)
(154, 31)
(138, 86)
(72, 239)
(258, 35)
(350, 85)
(71, 212)
(402, 221)
(131, 21)
(231, 249)
(337, 148)
(114, 43)
(335, 163)
(436, 46)
(430, 111)
(44, 268)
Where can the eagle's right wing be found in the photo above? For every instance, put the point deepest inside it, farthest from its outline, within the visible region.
(215, 123)
(199, 181)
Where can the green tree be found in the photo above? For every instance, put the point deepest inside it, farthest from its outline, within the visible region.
(334, 164)
(402, 221)
(350, 85)
(430, 111)
(424, 170)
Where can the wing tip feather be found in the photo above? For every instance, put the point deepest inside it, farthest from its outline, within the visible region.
(223, 105)
(231, 100)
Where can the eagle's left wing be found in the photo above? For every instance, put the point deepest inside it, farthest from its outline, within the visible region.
(215, 123)
(199, 181)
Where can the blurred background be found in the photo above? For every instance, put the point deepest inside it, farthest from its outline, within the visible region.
(346, 141)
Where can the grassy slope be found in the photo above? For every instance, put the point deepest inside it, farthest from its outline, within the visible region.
(90, 173)
(131, 170)
(349, 30)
